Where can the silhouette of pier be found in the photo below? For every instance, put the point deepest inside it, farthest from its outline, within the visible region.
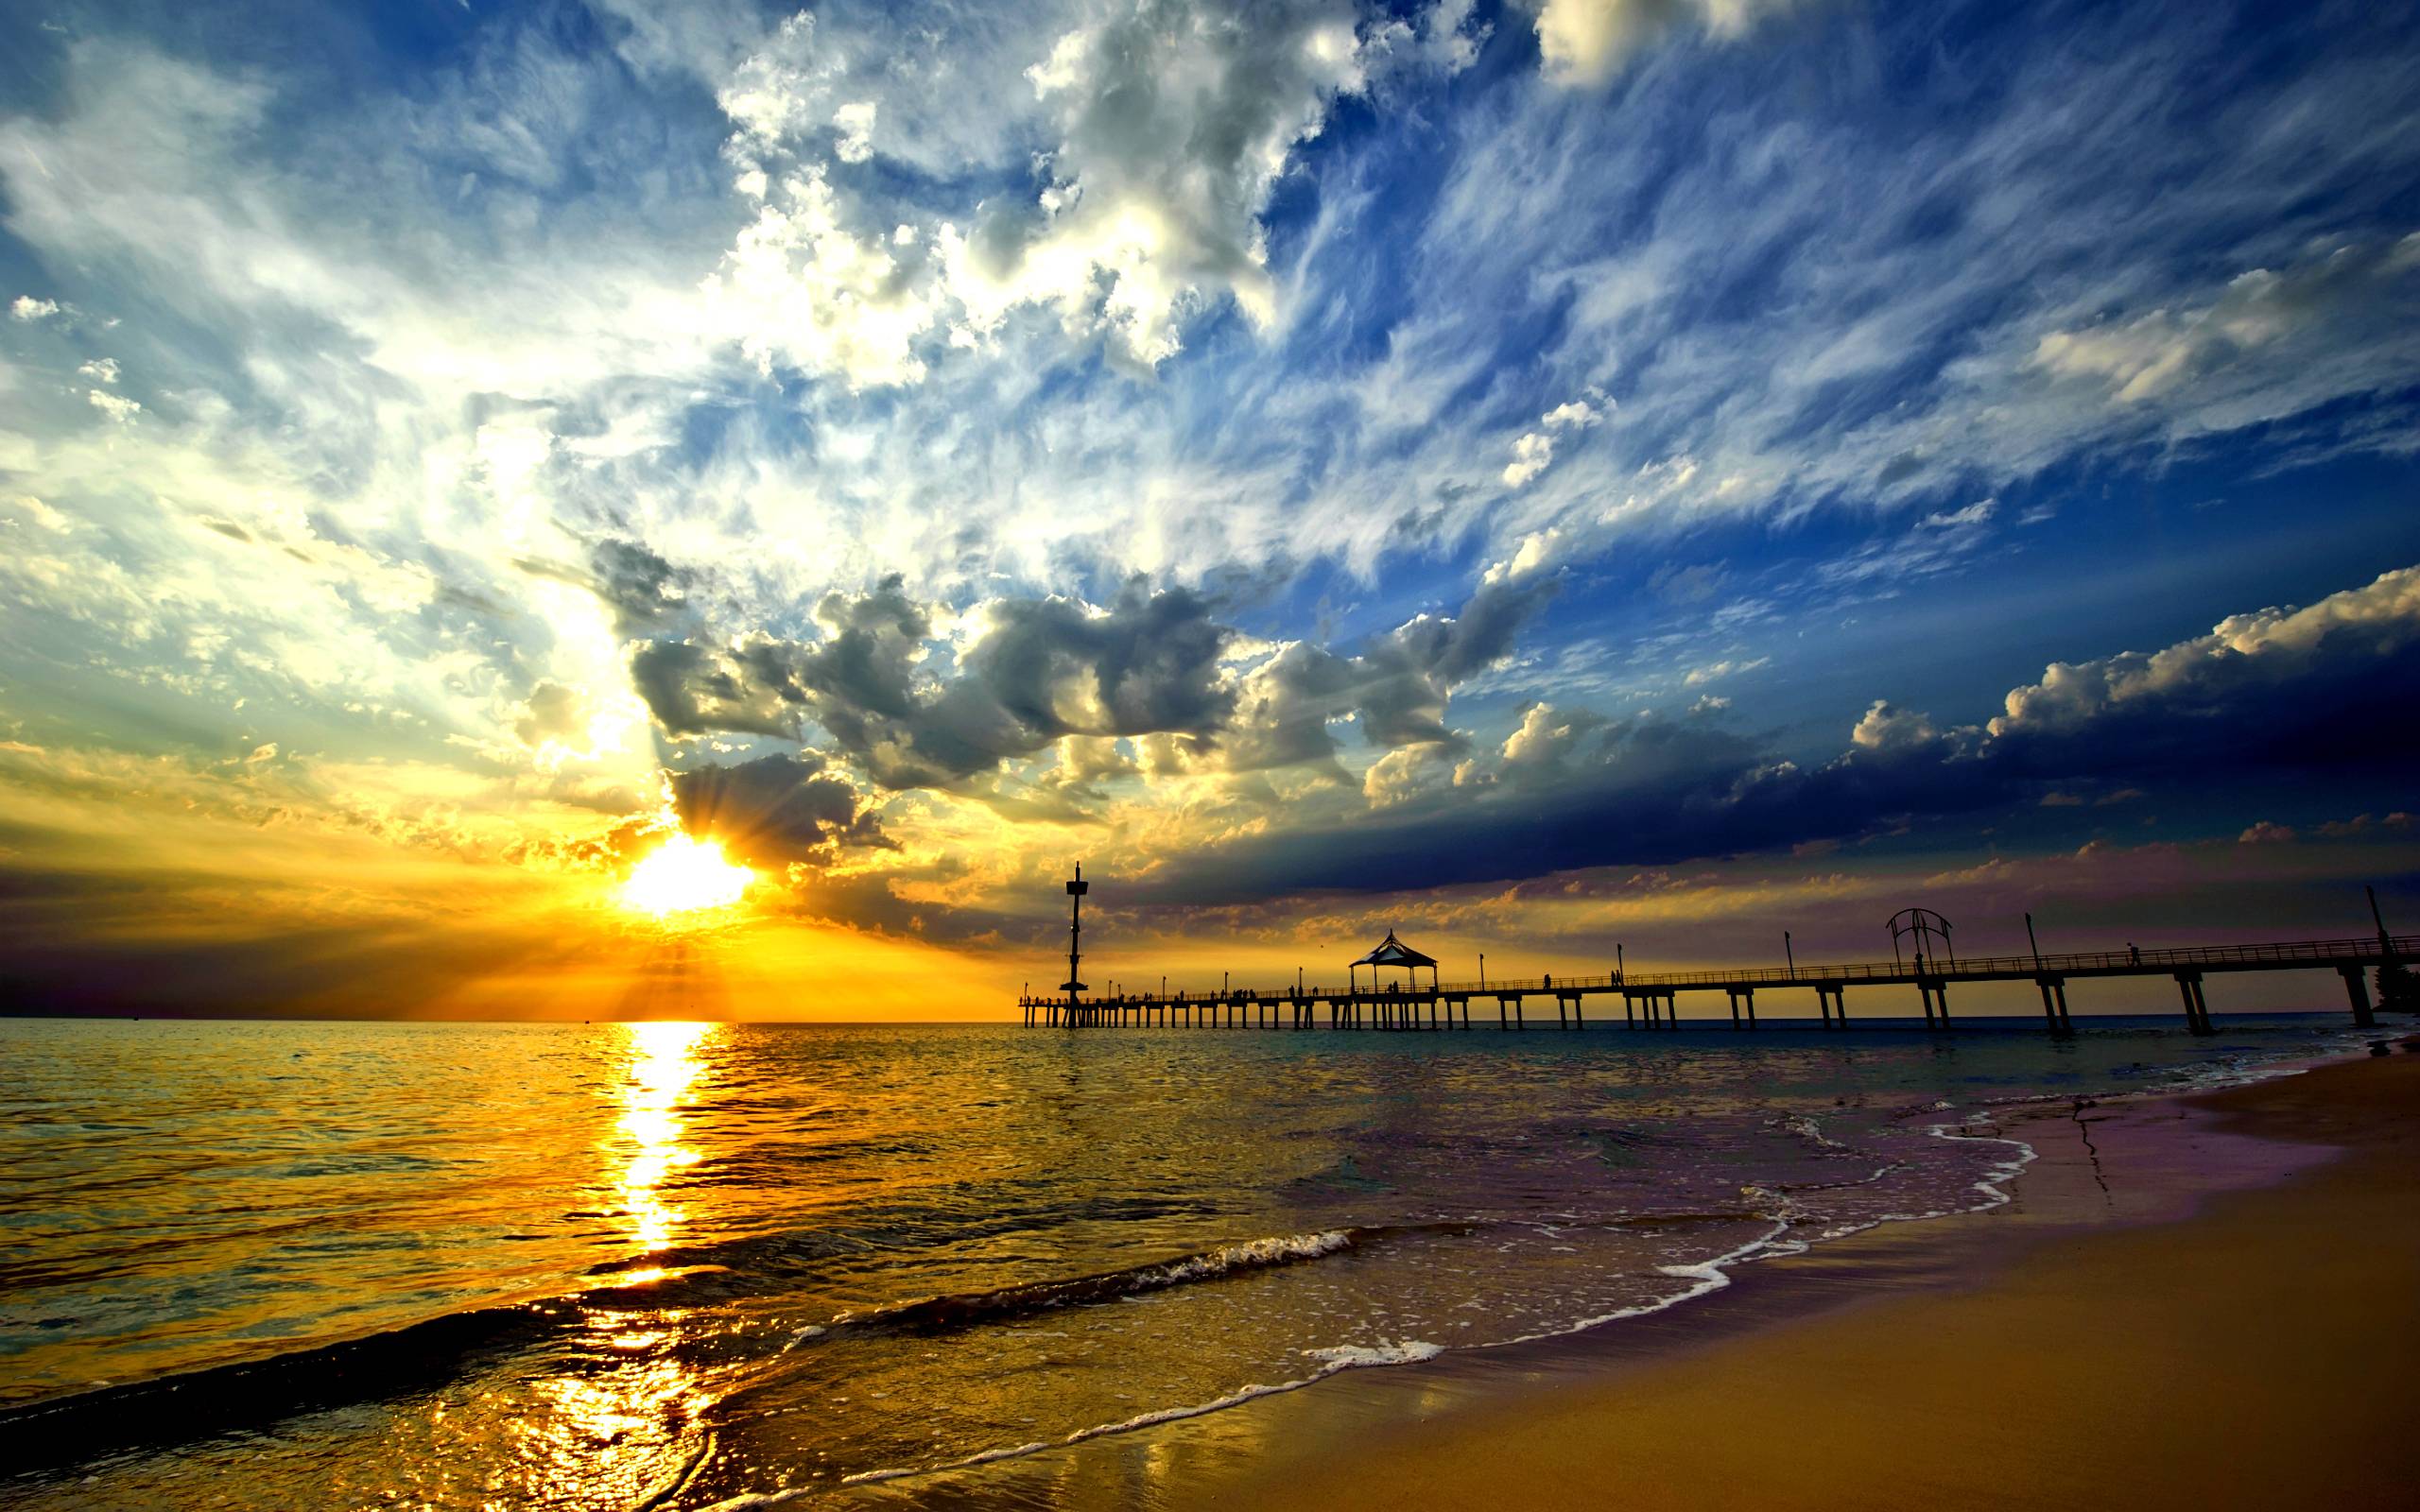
(1652, 1000)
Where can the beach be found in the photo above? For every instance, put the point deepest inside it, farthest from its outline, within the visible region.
(2207, 1305)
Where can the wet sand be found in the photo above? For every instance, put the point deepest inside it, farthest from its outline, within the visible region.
(2202, 1302)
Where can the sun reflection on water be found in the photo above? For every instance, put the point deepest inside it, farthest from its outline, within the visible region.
(627, 1415)
(662, 1069)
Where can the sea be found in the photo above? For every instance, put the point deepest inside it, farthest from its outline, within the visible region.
(682, 1265)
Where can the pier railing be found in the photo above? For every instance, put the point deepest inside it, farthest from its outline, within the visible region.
(2359, 949)
(1401, 1004)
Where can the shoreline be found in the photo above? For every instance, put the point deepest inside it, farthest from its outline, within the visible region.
(1799, 1379)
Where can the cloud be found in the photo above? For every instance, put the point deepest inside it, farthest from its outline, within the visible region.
(553, 713)
(1035, 671)
(1884, 728)
(1810, 316)
(805, 288)
(1578, 790)
(1697, 677)
(777, 810)
(1164, 131)
(1396, 687)
(116, 407)
(1407, 772)
(1691, 583)
(855, 123)
(2360, 824)
(1586, 41)
(643, 589)
(2228, 687)
(1978, 513)
(2265, 833)
(700, 690)
(1550, 741)
(26, 307)
(1173, 124)
(1534, 452)
(2161, 350)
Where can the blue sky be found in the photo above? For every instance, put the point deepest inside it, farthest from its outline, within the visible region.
(924, 445)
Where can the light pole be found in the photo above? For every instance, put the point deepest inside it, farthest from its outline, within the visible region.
(1619, 970)
(1788, 955)
(2035, 943)
(1482, 971)
(1077, 889)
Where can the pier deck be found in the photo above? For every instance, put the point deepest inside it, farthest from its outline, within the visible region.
(1651, 998)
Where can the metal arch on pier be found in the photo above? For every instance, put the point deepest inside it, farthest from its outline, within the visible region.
(1650, 999)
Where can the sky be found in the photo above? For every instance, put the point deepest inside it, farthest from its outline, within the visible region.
(1540, 477)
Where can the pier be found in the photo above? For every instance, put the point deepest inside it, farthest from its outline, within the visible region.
(1652, 1000)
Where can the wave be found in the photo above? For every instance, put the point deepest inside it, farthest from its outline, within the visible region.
(964, 1309)
(171, 1409)
(1331, 1361)
(62, 1430)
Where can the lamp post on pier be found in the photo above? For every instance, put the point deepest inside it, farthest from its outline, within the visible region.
(1077, 887)
(2034, 944)
(1788, 955)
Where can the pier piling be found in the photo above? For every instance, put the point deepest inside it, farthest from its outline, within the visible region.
(2356, 988)
(2197, 1008)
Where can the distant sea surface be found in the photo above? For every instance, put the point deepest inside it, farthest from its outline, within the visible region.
(614, 1265)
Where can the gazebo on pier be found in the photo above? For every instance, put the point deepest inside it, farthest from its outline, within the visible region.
(1392, 952)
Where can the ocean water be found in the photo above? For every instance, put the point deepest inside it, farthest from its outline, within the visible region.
(663, 1264)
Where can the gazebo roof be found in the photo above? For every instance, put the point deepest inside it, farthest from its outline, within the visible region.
(1392, 952)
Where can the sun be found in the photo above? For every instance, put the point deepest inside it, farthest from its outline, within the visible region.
(682, 875)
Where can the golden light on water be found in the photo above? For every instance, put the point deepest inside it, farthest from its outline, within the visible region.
(684, 875)
(626, 1421)
(662, 1068)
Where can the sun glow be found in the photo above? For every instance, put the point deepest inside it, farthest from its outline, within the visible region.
(682, 875)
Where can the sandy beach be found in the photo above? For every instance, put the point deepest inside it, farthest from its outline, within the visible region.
(2260, 1353)
(2189, 1302)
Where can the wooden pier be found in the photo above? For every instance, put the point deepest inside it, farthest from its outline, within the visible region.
(1650, 999)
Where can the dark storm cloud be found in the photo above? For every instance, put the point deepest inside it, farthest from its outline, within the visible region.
(2333, 689)
(1044, 668)
(1148, 666)
(1397, 687)
(697, 690)
(777, 808)
(643, 589)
